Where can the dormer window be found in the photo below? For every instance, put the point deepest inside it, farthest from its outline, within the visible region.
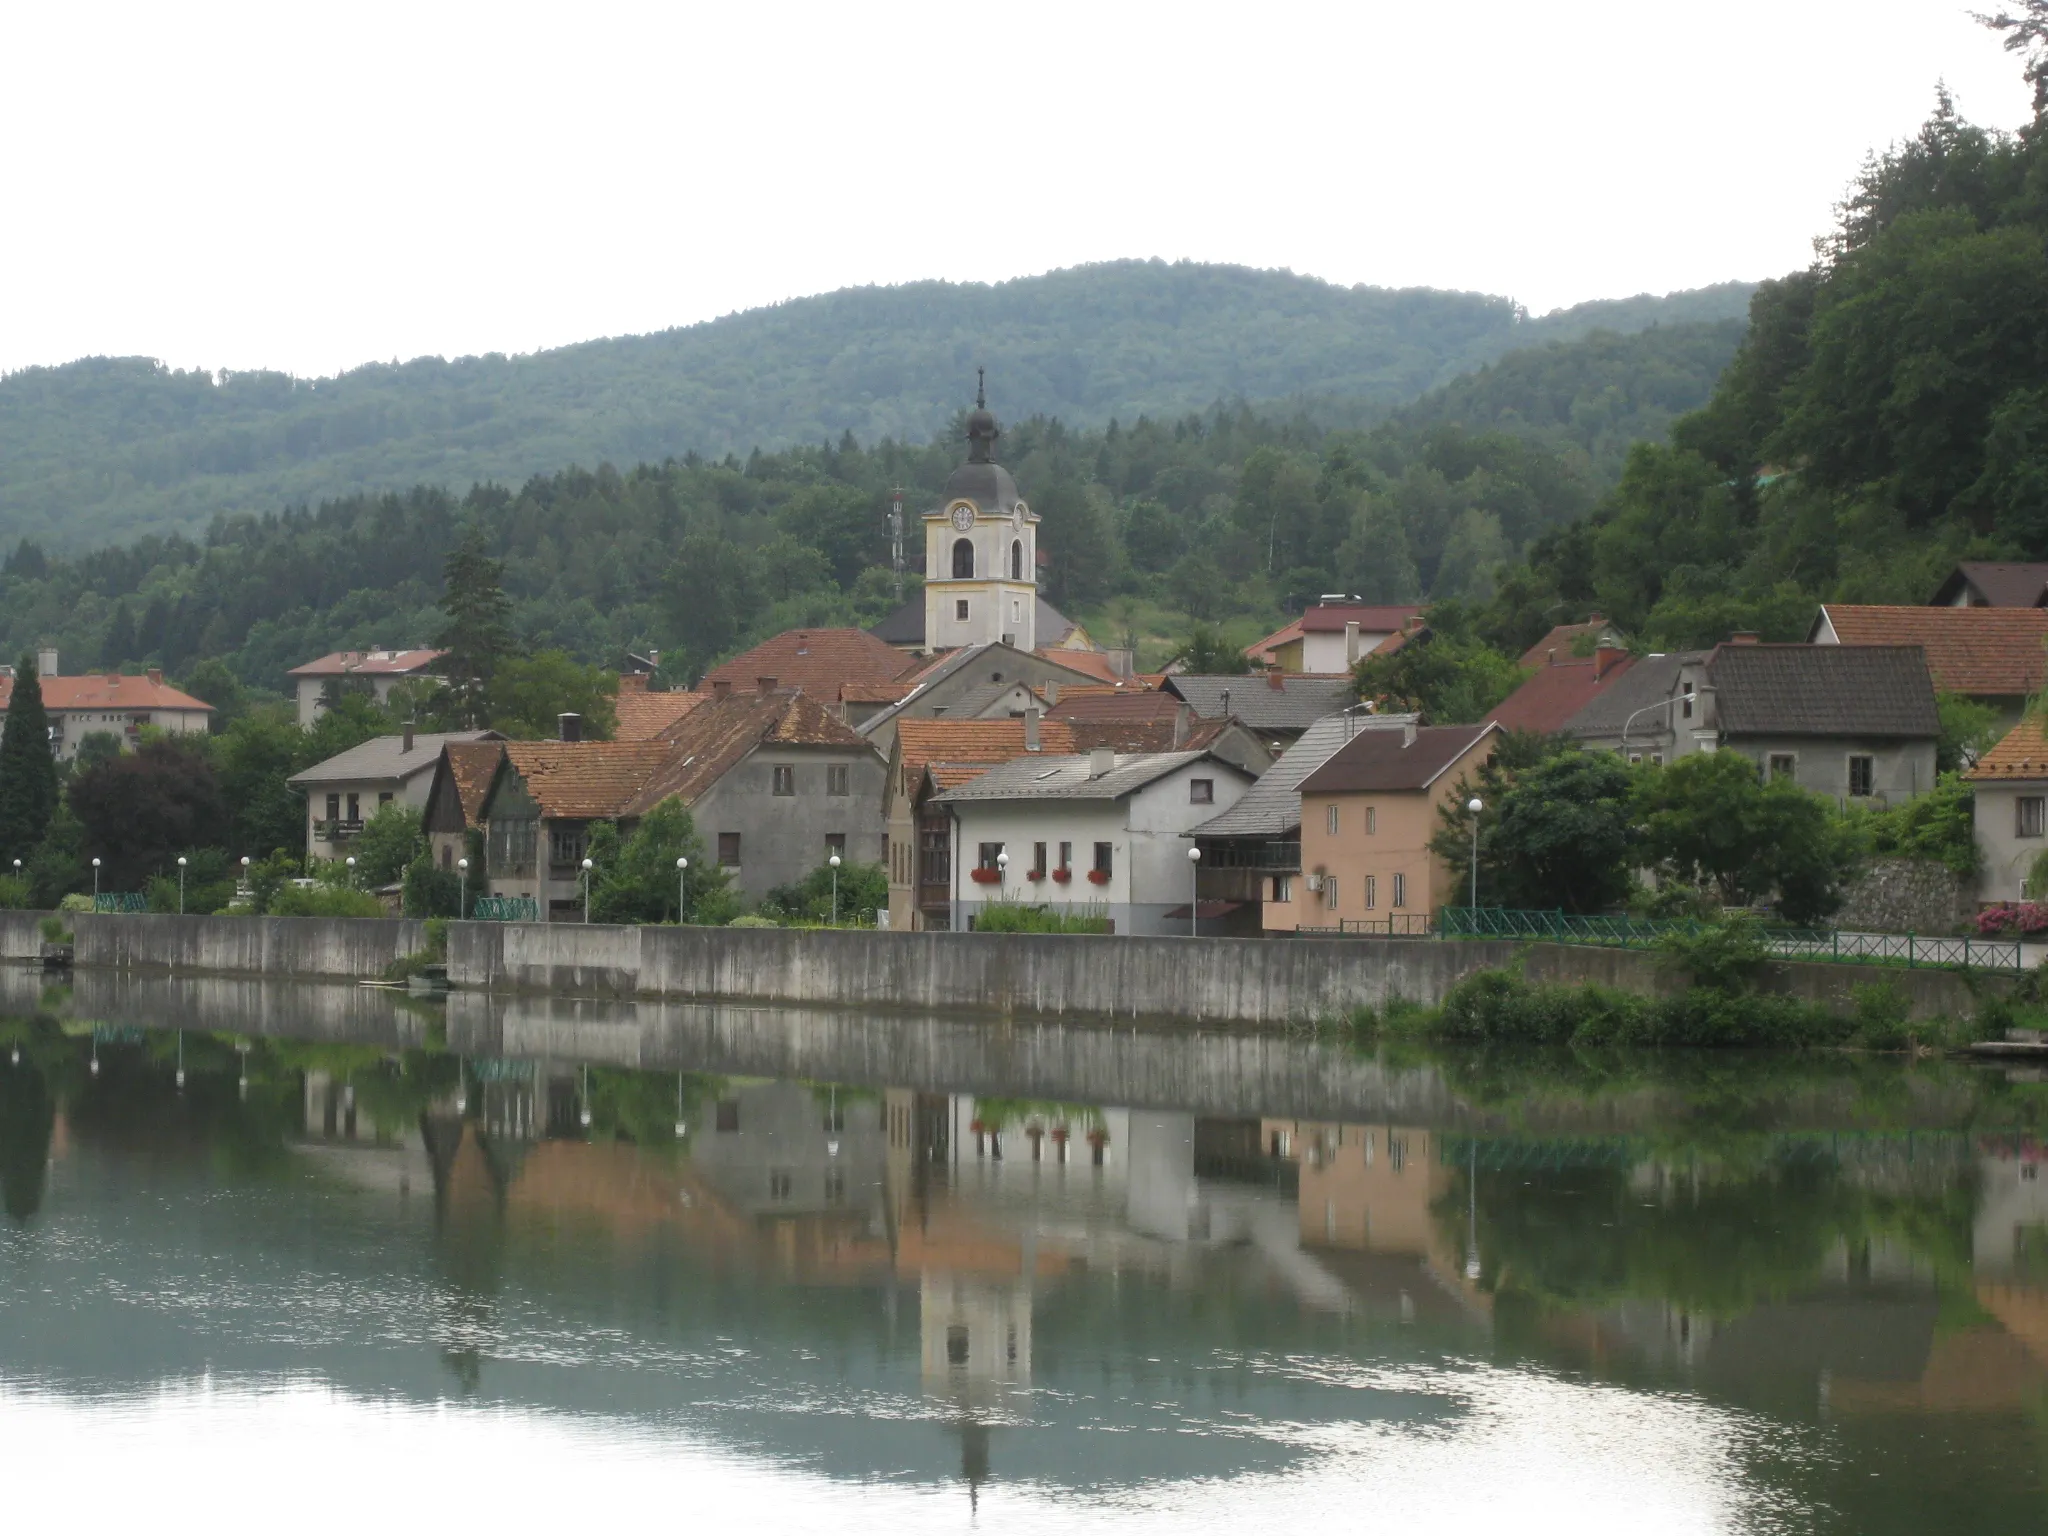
(963, 559)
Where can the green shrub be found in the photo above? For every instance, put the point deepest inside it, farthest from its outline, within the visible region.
(1015, 917)
(77, 901)
(54, 931)
(16, 894)
(753, 920)
(324, 901)
(1724, 956)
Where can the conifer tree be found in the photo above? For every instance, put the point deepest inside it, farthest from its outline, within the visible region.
(28, 774)
(478, 633)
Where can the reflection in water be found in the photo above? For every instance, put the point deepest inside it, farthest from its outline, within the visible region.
(1242, 1279)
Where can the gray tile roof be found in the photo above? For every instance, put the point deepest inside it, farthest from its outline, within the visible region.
(905, 626)
(1299, 700)
(385, 757)
(1394, 760)
(1272, 807)
(1067, 778)
(1649, 681)
(1823, 690)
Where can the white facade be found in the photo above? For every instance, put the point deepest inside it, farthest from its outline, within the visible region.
(1334, 650)
(981, 576)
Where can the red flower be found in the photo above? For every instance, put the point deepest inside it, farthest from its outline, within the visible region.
(1098, 877)
(985, 876)
(1063, 875)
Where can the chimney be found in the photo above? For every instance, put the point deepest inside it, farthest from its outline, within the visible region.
(1408, 732)
(1226, 703)
(1277, 680)
(1101, 760)
(1606, 658)
(655, 657)
(765, 684)
(46, 661)
(1550, 657)
(1052, 693)
(1350, 641)
(113, 679)
(1031, 729)
(1180, 727)
(632, 682)
(571, 725)
(1122, 664)
(408, 738)
(721, 688)
(156, 676)
(1743, 637)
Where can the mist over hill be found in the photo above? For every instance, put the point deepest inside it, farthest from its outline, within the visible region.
(103, 450)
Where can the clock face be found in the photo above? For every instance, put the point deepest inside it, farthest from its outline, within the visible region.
(1017, 518)
(963, 517)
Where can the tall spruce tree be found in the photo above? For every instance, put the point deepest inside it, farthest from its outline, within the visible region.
(478, 633)
(28, 774)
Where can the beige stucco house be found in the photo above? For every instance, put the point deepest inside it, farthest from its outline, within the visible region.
(2011, 784)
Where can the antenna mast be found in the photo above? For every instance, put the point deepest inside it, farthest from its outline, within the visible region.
(896, 539)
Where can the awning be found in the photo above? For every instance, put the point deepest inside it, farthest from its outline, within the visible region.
(1207, 909)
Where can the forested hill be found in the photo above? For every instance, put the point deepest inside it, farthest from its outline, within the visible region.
(106, 449)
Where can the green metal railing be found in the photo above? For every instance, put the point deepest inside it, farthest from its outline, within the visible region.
(506, 909)
(120, 901)
(1826, 944)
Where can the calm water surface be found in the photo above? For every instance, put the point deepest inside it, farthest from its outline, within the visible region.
(376, 1261)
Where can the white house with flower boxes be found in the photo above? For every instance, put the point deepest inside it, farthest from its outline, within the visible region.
(1093, 834)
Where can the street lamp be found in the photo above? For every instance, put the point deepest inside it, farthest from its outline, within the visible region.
(181, 885)
(1475, 807)
(95, 882)
(834, 862)
(1194, 893)
(587, 868)
(350, 861)
(1002, 868)
(462, 889)
(682, 888)
(1472, 1269)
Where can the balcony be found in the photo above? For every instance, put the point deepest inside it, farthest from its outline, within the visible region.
(338, 831)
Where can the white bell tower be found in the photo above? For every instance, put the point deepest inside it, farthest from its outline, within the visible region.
(980, 551)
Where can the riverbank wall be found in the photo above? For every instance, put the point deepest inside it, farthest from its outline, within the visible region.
(1241, 983)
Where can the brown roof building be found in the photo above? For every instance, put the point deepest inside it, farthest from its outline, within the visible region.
(1558, 688)
(1993, 654)
(819, 662)
(109, 704)
(643, 715)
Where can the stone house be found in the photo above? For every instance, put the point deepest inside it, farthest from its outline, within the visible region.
(1367, 817)
(1097, 833)
(351, 787)
(1995, 655)
(455, 800)
(2011, 785)
(376, 669)
(992, 681)
(108, 704)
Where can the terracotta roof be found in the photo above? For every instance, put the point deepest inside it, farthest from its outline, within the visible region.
(1991, 651)
(1372, 618)
(1562, 637)
(2001, 583)
(583, 780)
(1094, 663)
(368, 663)
(705, 745)
(642, 716)
(472, 765)
(980, 743)
(1824, 690)
(100, 691)
(2022, 753)
(874, 693)
(1264, 652)
(1115, 704)
(1555, 692)
(1389, 759)
(817, 662)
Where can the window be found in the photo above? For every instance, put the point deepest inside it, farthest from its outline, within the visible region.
(1862, 775)
(985, 855)
(355, 808)
(728, 1115)
(1283, 888)
(835, 842)
(1066, 855)
(1330, 820)
(566, 844)
(1656, 759)
(1330, 892)
(1201, 791)
(1372, 820)
(960, 610)
(2030, 816)
(334, 807)
(780, 1182)
(1372, 892)
(835, 1186)
(1038, 859)
(838, 780)
(729, 850)
(785, 779)
(1635, 759)
(1781, 765)
(963, 559)
(1685, 701)
(1102, 858)
(1016, 560)
(384, 797)
(1400, 890)
(447, 856)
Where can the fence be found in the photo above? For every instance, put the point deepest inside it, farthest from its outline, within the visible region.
(506, 909)
(120, 901)
(1824, 944)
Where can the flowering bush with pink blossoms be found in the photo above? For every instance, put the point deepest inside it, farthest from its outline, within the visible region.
(2009, 919)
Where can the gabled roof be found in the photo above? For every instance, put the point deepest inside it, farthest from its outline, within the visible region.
(905, 626)
(1995, 652)
(710, 741)
(1823, 690)
(1999, 583)
(2021, 754)
(1271, 808)
(1557, 691)
(1389, 760)
(585, 780)
(1633, 697)
(369, 664)
(1273, 701)
(1371, 618)
(1558, 644)
(1071, 778)
(1094, 663)
(102, 691)
(958, 743)
(385, 758)
(1265, 653)
(471, 767)
(818, 662)
(929, 676)
(642, 716)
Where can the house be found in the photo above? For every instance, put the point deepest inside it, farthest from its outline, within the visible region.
(1278, 706)
(377, 669)
(455, 799)
(1335, 635)
(349, 788)
(1266, 654)
(1852, 722)
(1251, 854)
(928, 758)
(643, 714)
(1101, 832)
(1568, 641)
(822, 663)
(1993, 584)
(2011, 785)
(1639, 709)
(1367, 817)
(537, 812)
(1559, 687)
(1995, 655)
(1148, 720)
(108, 704)
(976, 682)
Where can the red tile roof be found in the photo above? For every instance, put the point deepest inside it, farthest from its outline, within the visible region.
(472, 765)
(706, 744)
(817, 662)
(1264, 652)
(1372, 618)
(2022, 753)
(1561, 639)
(1094, 663)
(1996, 652)
(642, 716)
(369, 663)
(107, 692)
(975, 741)
(1553, 693)
(585, 780)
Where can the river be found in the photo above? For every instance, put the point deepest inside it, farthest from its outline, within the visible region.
(319, 1258)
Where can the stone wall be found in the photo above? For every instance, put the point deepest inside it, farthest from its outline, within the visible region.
(302, 948)
(21, 935)
(1909, 896)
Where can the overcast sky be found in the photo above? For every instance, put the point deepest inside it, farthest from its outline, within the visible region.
(310, 186)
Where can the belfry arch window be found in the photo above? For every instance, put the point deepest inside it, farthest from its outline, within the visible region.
(1016, 560)
(963, 559)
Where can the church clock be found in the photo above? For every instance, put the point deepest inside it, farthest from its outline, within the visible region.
(963, 517)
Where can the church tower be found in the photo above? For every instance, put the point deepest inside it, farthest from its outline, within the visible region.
(980, 551)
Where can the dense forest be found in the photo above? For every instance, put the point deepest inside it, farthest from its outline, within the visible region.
(104, 450)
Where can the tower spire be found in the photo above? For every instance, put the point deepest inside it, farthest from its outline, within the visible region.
(981, 389)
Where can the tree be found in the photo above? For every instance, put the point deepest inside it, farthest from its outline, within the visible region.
(636, 877)
(141, 810)
(253, 757)
(28, 773)
(1206, 652)
(388, 842)
(94, 748)
(863, 890)
(1709, 821)
(212, 682)
(529, 694)
(1448, 681)
(1561, 834)
(478, 633)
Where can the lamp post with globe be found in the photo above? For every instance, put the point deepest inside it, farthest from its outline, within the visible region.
(834, 862)
(181, 884)
(682, 888)
(1194, 893)
(587, 868)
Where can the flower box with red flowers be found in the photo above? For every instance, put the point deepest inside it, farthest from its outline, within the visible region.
(1034, 874)
(1063, 875)
(985, 876)
(1098, 877)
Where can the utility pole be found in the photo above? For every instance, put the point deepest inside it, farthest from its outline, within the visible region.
(896, 539)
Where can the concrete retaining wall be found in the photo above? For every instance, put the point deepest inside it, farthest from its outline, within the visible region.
(21, 935)
(304, 948)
